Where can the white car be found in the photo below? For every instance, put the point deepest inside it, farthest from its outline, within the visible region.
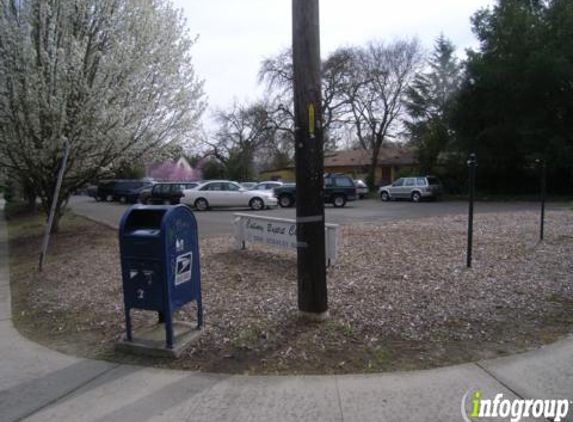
(224, 193)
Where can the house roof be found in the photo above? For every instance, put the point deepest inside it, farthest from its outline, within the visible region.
(361, 157)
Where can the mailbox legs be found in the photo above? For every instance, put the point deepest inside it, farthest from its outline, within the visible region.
(128, 335)
(199, 313)
(168, 329)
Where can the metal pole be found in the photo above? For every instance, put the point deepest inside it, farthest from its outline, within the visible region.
(53, 207)
(543, 195)
(309, 159)
(472, 164)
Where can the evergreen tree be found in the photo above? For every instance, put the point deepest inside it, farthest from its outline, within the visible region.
(517, 100)
(429, 102)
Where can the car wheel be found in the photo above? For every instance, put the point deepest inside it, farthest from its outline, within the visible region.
(122, 199)
(339, 201)
(416, 197)
(98, 198)
(384, 196)
(166, 202)
(109, 198)
(201, 204)
(286, 201)
(256, 204)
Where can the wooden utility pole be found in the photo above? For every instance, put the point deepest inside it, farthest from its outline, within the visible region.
(309, 158)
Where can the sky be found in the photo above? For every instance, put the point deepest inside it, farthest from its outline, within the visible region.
(236, 35)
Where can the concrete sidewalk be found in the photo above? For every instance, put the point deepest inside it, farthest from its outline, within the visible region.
(38, 384)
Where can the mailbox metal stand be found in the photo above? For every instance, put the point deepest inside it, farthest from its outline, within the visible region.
(160, 267)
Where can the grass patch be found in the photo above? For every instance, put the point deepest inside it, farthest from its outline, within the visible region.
(341, 329)
(378, 358)
(556, 298)
(15, 209)
(250, 336)
(24, 226)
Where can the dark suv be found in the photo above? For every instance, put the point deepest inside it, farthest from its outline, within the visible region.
(127, 191)
(338, 189)
(168, 193)
(104, 191)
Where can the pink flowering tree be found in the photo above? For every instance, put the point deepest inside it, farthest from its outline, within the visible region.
(169, 171)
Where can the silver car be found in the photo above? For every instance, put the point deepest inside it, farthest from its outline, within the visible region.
(224, 193)
(414, 188)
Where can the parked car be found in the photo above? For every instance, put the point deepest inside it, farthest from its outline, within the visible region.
(168, 193)
(224, 193)
(338, 189)
(269, 185)
(104, 190)
(134, 195)
(127, 191)
(91, 191)
(414, 188)
(248, 185)
(361, 188)
(144, 193)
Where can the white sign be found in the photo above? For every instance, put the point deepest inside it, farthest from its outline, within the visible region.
(278, 233)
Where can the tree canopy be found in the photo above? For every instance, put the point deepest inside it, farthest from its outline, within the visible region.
(112, 79)
(429, 100)
(516, 104)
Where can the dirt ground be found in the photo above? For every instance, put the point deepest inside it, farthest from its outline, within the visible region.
(400, 297)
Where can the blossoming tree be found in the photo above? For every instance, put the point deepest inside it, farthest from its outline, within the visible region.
(112, 79)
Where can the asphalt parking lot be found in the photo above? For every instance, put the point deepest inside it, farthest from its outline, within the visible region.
(219, 221)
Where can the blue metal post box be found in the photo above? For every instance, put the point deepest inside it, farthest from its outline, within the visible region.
(159, 250)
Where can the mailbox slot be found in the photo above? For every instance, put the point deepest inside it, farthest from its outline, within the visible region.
(144, 222)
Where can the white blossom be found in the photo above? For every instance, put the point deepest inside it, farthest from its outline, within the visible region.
(112, 78)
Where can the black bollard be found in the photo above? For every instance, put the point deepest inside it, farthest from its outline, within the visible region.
(543, 167)
(472, 164)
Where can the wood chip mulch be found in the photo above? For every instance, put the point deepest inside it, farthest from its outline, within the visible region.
(400, 297)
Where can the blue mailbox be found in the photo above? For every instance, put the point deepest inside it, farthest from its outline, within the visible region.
(160, 263)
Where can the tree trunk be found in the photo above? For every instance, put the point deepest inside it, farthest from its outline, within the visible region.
(29, 194)
(58, 213)
(31, 201)
(56, 223)
(371, 178)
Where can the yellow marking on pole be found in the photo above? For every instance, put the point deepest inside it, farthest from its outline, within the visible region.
(311, 119)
